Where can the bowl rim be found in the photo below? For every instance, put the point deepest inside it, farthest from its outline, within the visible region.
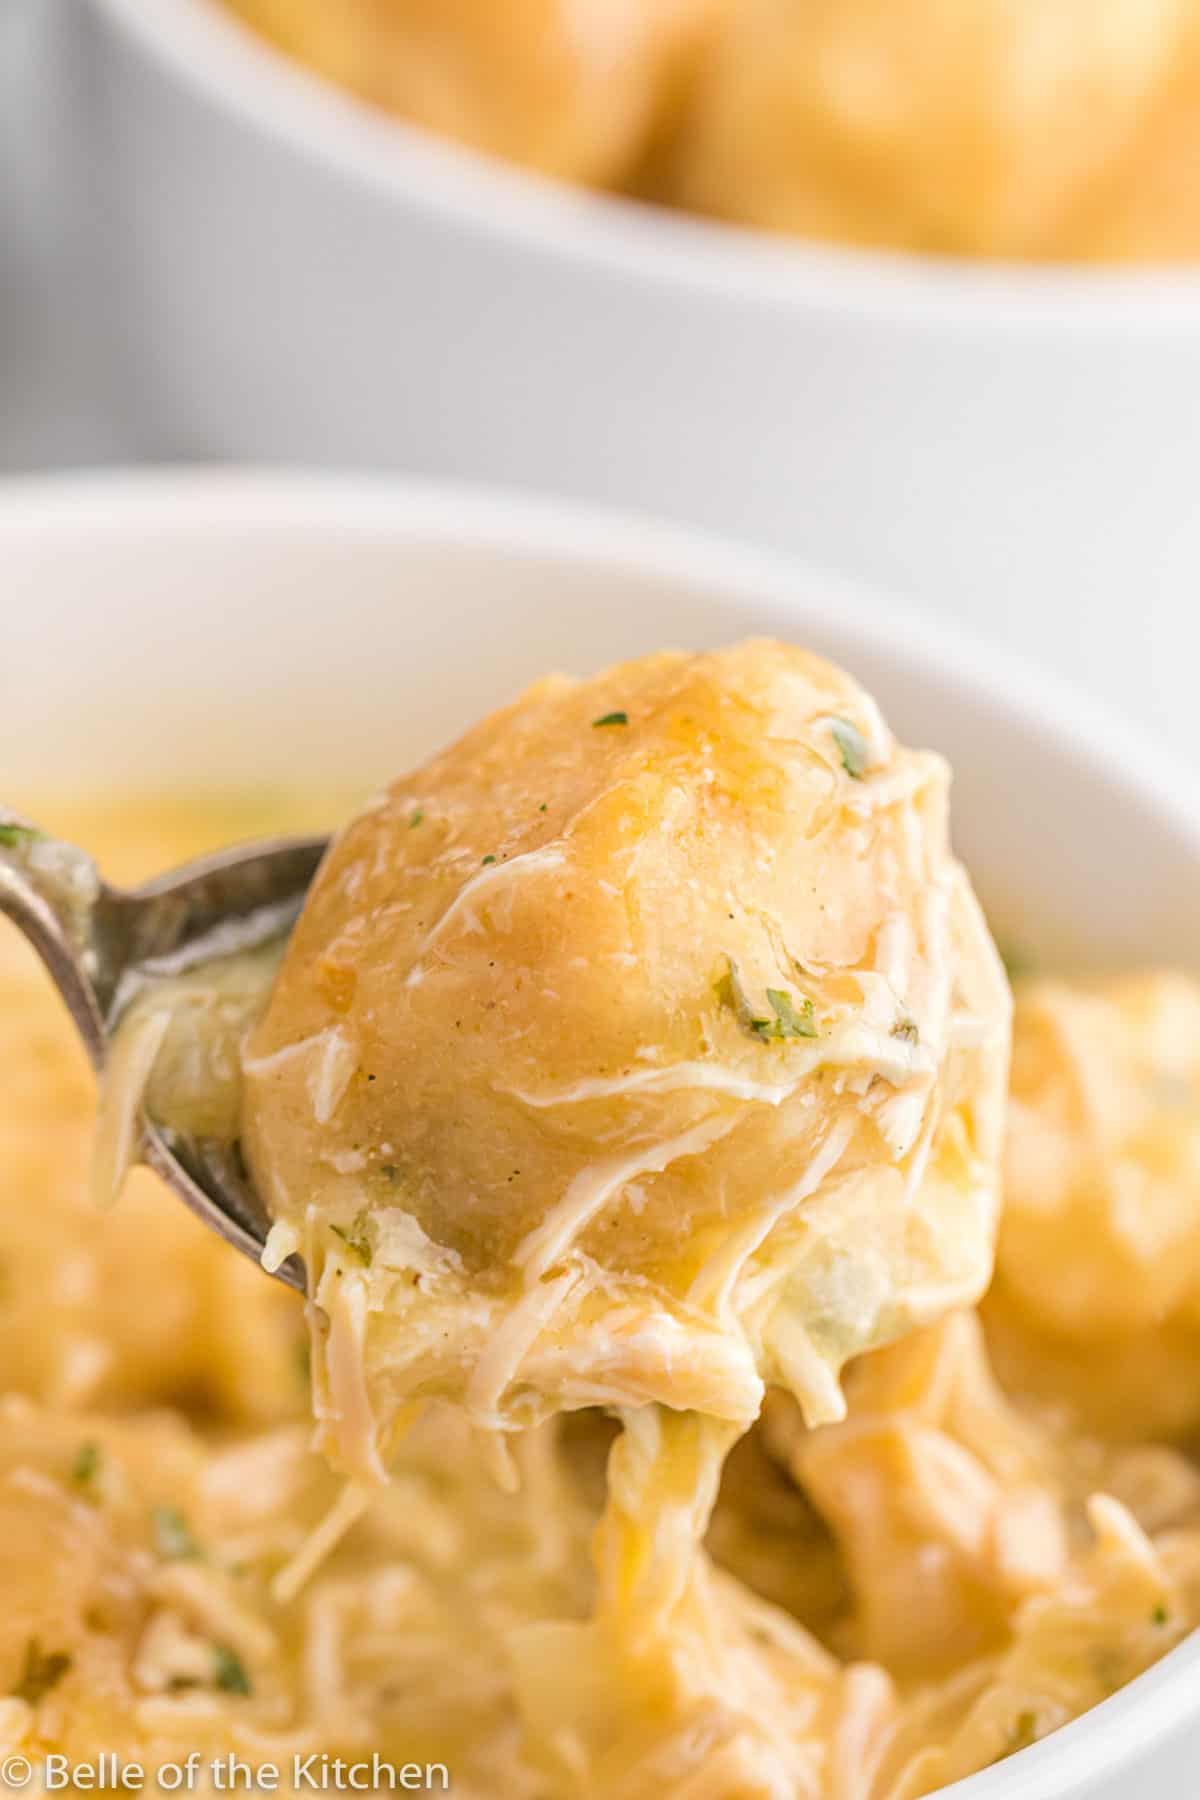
(1124, 754)
(251, 504)
(218, 58)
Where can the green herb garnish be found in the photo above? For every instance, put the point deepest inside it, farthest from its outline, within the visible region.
(173, 1535)
(1022, 1735)
(1160, 1615)
(13, 835)
(788, 1020)
(612, 718)
(229, 1673)
(355, 1237)
(487, 860)
(40, 1673)
(852, 745)
(86, 1467)
(416, 819)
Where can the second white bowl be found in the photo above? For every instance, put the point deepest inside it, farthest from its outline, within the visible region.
(297, 279)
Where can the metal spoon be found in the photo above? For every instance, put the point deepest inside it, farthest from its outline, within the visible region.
(97, 941)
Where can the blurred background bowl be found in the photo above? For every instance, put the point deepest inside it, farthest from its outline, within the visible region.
(296, 278)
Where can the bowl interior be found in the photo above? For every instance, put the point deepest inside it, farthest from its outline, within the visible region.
(207, 630)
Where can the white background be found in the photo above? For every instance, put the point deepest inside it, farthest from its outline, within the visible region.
(55, 408)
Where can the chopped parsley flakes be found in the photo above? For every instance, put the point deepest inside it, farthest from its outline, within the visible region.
(85, 1469)
(1159, 1616)
(852, 746)
(173, 1535)
(416, 819)
(787, 1020)
(229, 1671)
(12, 836)
(355, 1237)
(612, 718)
(1022, 1733)
(40, 1673)
(487, 860)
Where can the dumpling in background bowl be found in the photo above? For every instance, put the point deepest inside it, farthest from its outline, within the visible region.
(1028, 129)
(573, 88)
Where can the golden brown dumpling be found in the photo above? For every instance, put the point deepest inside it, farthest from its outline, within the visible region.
(645, 1045)
(1015, 128)
(1099, 1253)
(575, 90)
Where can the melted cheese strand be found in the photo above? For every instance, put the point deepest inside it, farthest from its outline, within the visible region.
(127, 1073)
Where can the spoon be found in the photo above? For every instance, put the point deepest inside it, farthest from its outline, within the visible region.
(100, 943)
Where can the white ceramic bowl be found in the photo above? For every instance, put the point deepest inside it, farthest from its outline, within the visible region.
(297, 279)
(214, 629)
(208, 629)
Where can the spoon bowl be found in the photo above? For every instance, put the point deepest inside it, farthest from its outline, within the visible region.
(102, 945)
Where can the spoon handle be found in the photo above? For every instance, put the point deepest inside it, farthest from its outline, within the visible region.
(50, 890)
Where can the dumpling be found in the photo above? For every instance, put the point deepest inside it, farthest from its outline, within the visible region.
(574, 90)
(1099, 1249)
(1001, 128)
(647, 1045)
